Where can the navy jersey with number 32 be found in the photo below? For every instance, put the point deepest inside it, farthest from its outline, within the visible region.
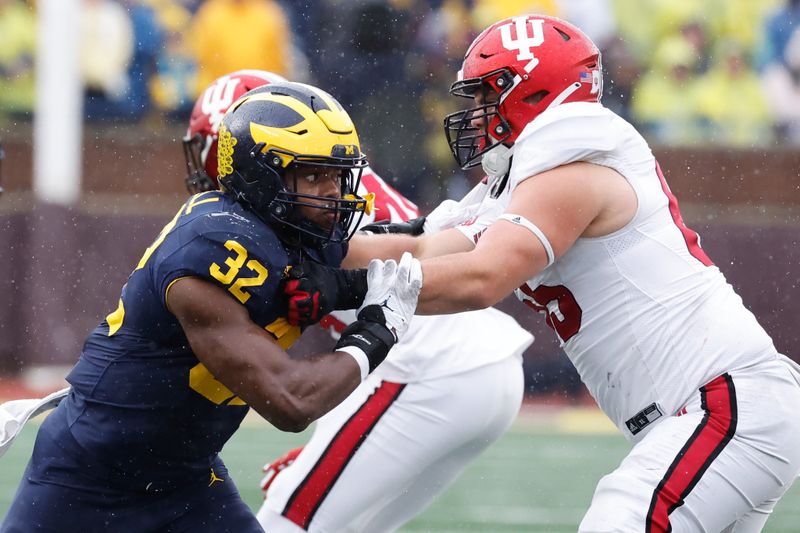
(143, 406)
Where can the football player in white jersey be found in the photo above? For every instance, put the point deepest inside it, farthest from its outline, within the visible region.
(591, 236)
(449, 392)
(446, 393)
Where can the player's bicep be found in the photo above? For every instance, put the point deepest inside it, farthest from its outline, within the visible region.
(546, 215)
(561, 203)
(505, 257)
(247, 360)
(221, 333)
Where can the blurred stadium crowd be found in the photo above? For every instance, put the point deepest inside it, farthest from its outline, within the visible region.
(723, 72)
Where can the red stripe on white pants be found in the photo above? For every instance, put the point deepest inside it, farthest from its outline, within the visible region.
(718, 400)
(311, 492)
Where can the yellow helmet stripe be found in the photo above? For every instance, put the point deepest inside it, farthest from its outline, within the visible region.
(335, 118)
(289, 101)
(329, 101)
(314, 134)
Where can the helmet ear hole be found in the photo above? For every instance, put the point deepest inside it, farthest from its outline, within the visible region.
(536, 97)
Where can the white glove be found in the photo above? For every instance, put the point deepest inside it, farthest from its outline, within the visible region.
(395, 289)
(485, 215)
(447, 215)
(450, 213)
(15, 413)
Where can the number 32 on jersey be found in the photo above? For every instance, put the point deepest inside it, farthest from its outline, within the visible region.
(231, 276)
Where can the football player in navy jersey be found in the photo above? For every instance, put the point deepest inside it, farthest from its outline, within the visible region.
(346, 477)
(200, 331)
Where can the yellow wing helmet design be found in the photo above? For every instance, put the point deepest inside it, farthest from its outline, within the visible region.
(271, 131)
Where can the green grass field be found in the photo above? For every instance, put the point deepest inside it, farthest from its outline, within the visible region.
(532, 480)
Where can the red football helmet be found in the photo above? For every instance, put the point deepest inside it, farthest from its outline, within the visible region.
(531, 62)
(200, 142)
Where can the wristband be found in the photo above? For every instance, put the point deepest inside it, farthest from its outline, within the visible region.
(369, 334)
(361, 359)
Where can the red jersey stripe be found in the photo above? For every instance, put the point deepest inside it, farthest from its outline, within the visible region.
(309, 495)
(690, 236)
(706, 443)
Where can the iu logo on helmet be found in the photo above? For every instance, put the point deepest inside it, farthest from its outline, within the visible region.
(217, 99)
(524, 42)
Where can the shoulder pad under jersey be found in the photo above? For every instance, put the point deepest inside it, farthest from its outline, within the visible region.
(237, 253)
(578, 131)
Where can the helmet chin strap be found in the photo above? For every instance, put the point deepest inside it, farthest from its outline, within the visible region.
(565, 94)
(497, 160)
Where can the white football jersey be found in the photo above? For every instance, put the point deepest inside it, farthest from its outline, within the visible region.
(644, 315)
(435, 346)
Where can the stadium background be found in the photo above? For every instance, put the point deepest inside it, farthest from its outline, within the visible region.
(714, 86)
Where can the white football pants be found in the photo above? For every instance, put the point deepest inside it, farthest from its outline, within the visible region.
(383, 455)
(720, 465)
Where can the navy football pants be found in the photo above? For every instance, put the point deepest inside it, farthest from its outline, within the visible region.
(47, 507)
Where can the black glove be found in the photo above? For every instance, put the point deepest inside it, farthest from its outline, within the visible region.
(314, 290)
(411, 227)
(370, 334)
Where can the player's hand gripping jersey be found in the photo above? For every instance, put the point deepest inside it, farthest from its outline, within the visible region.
(439, 345)
(138, 361)
(644, 315)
